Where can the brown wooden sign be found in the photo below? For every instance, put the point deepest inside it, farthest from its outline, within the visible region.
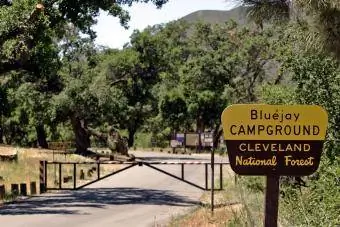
(274, 139)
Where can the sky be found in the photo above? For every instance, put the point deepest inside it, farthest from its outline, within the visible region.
(110, 33)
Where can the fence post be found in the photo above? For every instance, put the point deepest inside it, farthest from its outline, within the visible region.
(74, 176)
(98, 170)
(45, 168)
(42, 179)
(23, 189)
(15, 189)
(2, 191)
(221, 176)
(33, 188)
(60, 175)
(206, 176)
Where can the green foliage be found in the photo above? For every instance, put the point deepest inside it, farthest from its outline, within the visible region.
(172, 77)
(143, 140)
(173, 109)
(264, 11)
(318, 82)
(277, 94)
(321, 19)
(318, 204)
(87, 89)
(29, 58)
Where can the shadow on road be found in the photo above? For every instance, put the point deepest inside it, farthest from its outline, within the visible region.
(71, 202)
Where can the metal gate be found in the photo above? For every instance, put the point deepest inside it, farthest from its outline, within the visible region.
(74, 167)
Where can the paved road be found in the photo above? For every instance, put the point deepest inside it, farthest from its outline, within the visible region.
(139, 196)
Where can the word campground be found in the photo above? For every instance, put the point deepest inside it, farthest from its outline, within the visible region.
(275, 130)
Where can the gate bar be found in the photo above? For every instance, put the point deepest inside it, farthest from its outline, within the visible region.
(109, 175)
(44, 164)
(171, 175)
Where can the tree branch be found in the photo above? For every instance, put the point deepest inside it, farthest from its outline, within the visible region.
(118, 81)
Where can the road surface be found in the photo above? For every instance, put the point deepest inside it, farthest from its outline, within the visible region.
(139, 196)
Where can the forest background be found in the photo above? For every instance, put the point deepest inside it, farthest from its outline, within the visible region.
(171, 77)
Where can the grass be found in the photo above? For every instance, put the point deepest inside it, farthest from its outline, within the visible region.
(26, 168)
(235, 206)
(202, 216)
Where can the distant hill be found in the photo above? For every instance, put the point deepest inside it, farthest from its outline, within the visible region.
(238, 14)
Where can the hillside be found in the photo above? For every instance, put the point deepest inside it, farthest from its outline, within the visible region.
(238, 14)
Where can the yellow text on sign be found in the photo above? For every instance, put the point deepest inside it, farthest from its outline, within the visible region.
(274, 122)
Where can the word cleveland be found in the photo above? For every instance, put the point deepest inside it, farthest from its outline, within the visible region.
(274, 147)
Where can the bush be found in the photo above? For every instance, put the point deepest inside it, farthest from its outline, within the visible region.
(318, 204)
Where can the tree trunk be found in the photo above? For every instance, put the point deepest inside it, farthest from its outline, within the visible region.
(131, 140)
(81, 136)
(199, 124)
(1, 134)
(199, 130)
(41, 136)
(217, 134)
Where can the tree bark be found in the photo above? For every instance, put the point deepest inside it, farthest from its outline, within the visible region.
(1, 130)
(41, 136)
(82, 138)
(217, 135)
(131, 140)
(199, 125)
(1, 135)
(199, 130)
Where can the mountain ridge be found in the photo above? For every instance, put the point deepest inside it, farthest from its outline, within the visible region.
(238, 14)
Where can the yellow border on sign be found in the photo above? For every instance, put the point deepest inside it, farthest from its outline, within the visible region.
(274, 122)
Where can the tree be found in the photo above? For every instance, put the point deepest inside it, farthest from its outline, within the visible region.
(225, 66)
(88, 96)
(321, 19)
(142, 62)
(29, 59)
(123, 70)
(29, 37)
(173, 109)
(4, 110)
(24, 19)
(318, 82)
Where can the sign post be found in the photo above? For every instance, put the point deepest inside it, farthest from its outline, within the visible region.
(272, 200)
(274, 141)
(212, 179)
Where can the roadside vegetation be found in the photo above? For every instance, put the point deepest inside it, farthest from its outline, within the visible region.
(25, 169)
(173, 77)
